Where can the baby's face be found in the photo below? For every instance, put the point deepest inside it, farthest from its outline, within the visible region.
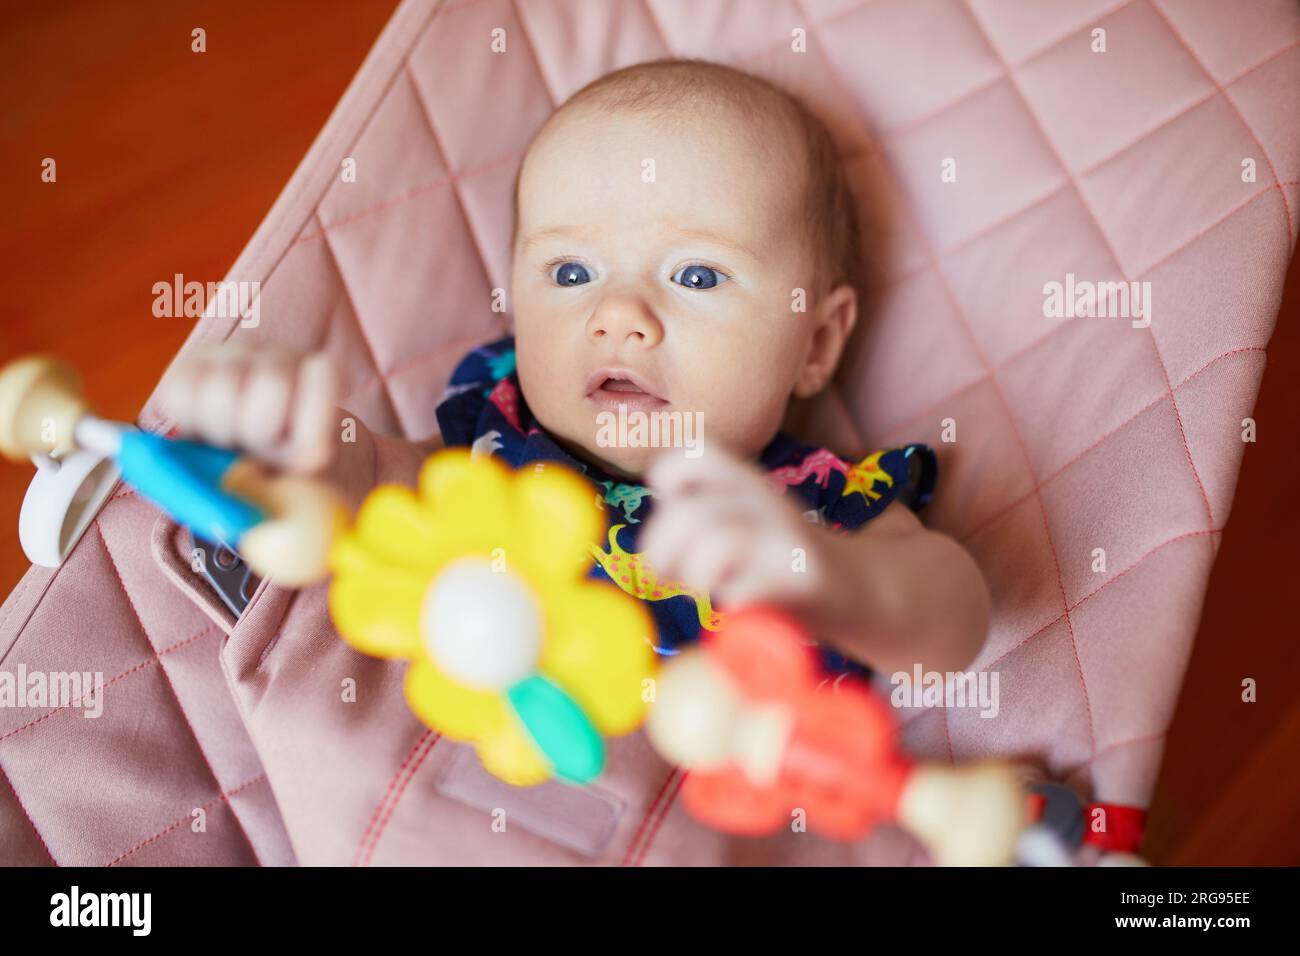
(655, 266)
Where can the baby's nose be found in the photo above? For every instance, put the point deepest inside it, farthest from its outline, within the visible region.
(621, 318)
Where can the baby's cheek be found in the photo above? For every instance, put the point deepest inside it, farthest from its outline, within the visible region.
(535, 377)
(742, 415)
(537, 381)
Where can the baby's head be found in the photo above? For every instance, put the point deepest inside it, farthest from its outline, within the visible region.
(685, 241)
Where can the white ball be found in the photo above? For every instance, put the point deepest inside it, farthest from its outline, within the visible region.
(695, 714)
(482, 627)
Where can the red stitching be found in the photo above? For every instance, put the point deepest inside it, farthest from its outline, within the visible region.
(15, 598)
(663, 815)
(631, 847)
(1207, 229)
(532, 49)
(1007, 653)
(1255, 66)
(1222, 355)
(35, 829)
(1147, 134)
(1002, 512)
(1187, 109)
(108, 683)
(1093, 593)
(397, 798)
(1178, 418)
(392, 201)
(1040, 485)
(450, 179)
(1290, 225)
(915, 124)
(1041, 340)
(1087, 205)
(167, 679)
(1116, 746)
(986, 230)
(1042, 508)
(912, 125)
(1109, 581)
(179, 822)
(455, 186)
(1060, 580)
(1001, 221)
(361, 332)
(1087, 25)
(374, 817)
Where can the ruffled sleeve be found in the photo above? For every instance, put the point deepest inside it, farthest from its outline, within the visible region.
(863, 489)
(482, 385)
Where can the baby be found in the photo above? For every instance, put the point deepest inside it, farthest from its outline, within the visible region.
(685, 242)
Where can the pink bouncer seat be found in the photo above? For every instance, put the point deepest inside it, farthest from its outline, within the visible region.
(1088, 462)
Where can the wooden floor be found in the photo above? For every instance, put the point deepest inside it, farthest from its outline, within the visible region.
(167, 160)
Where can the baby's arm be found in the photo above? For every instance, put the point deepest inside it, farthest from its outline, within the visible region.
(891, 595)
(908, 595)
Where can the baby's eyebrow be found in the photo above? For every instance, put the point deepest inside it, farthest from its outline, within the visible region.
(558, 232)
(700, 235)
(719, 239)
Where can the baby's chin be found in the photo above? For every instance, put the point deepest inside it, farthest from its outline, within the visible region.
(622, 463)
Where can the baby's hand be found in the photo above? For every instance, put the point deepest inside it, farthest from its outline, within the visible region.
(893, 596)
(718, 525)
(272, 403)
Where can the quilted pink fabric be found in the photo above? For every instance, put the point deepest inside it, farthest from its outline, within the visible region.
(1072, 434)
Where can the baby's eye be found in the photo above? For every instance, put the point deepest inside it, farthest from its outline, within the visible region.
(571, 273)
(699, 277)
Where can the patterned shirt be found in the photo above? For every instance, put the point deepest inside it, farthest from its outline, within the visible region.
(484, 408)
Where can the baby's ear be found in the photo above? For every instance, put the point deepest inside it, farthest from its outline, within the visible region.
(833, 318)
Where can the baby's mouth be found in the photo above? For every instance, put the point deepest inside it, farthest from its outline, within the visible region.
(610, 388)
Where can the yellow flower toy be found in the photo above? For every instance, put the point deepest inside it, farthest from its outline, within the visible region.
(478, 578)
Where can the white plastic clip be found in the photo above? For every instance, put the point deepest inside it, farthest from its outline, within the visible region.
(61, 501)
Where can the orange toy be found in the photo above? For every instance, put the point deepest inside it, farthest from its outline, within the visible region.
(763, 736)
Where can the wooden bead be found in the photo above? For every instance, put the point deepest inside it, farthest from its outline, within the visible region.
(695, 713)
(303, 517)
(970, 815)
(40, 405)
